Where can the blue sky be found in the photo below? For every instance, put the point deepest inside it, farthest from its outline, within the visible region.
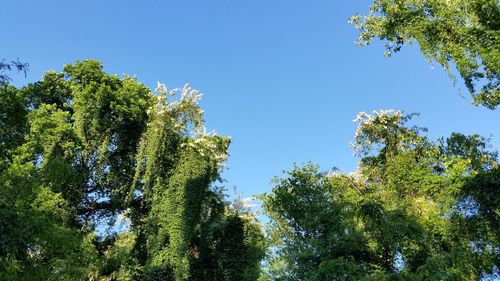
(283, 78)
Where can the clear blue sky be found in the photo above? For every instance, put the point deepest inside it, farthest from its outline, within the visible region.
(282, 78)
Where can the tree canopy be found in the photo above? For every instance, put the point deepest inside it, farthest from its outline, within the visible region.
(81, 148)
(415, 209)
(102, 178)
(461, 34)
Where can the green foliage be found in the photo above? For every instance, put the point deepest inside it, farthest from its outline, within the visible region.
(414, 210)
(188, 235)
(115, 262)
(13, 123)
(237, 250)
(464, 34)
(80, 148)
(39, 241)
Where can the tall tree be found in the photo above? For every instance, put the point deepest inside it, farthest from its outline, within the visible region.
(414, 210)
(463, 34)
(83, 148)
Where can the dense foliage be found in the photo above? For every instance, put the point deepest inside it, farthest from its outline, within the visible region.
(103, 179)
(414, 210)
(457, 33)
(80, 149)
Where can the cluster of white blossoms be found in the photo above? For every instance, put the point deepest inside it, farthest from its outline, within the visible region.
(182, 109)
(368, 124)
(380, 114)
(356, 175)
(187, 117)
(188, 96)
(383, 117)
(335, 172)
(208, 144)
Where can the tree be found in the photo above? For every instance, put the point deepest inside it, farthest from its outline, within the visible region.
(464, 34)
(7, 66)
(414, 210)
(40, 235)
(82, 148)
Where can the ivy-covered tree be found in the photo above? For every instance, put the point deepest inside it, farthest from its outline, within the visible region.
(463, 34)
(414, 210)
(81, 148)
